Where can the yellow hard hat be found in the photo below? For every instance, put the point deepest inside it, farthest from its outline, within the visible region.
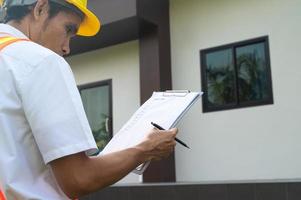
(91, 24)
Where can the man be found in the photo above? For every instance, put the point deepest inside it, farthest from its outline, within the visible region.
(44, 134)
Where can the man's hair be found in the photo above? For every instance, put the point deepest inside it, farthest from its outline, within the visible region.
(17, 13)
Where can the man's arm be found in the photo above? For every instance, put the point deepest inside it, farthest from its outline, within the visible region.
(79, 174)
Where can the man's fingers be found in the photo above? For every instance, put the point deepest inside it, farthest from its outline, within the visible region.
(161, 143)
(174, 131)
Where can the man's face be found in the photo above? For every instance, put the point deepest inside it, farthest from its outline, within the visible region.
(55, 33)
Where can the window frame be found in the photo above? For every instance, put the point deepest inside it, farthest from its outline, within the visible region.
(107, 82)
(233, 47)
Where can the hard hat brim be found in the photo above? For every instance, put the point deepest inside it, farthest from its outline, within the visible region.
(90, 25)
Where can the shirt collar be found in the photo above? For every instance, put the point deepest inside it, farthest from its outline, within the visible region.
(6, 29)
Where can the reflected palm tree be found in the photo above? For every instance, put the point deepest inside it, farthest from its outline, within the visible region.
(251, 77)
(101, 135)
(220, 83)
(252, 80)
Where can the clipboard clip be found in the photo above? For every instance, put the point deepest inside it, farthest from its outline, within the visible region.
(177, 93)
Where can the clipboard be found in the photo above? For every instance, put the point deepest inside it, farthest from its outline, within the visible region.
(165, 108)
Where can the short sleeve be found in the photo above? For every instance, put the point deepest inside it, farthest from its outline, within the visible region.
(54, 110)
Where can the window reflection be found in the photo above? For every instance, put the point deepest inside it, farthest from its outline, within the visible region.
(236, 75)
(97, 104)
(252, 76)
(220, 78)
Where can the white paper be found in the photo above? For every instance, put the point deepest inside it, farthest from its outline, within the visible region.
(163, 108)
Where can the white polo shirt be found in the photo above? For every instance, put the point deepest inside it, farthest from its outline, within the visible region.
(41, 118)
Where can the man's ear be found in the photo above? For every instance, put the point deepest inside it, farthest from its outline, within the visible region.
(40, 9)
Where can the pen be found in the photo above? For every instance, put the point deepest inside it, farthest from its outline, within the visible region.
(179, 141)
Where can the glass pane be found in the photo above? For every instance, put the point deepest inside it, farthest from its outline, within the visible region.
(220, 76)
(252, 72)
(96, 102)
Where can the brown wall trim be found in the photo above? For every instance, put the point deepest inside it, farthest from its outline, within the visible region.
(155, 69)
(249, 191)
(114, 33)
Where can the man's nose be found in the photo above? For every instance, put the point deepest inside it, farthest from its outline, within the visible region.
(66, 48)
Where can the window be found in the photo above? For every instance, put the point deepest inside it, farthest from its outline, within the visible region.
(236, 75)
(97, 102)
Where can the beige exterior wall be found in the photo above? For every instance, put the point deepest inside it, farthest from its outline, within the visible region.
(248, 144)
(121, 64)
(257, 143)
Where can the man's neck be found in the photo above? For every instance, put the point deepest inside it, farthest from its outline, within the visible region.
(21, 26)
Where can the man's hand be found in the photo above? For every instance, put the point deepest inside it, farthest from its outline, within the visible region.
(158, 144)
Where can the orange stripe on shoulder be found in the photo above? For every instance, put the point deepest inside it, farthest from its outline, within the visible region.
(5, 41)
(2, 196)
